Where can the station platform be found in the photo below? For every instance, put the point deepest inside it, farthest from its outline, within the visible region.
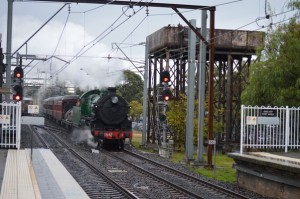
(275, 174)
(39, 175)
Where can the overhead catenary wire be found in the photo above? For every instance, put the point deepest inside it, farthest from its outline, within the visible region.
(94, 42)
(137, 60)
(89, 45)
(179, 50)
(39, 29)
(65, 24)
(119, 48)
(116, 26)
(62, 32)
(241, 27)
(249, 24)
(89, 10)
(81, 54)
(92, 9)
(193, 10)
(134, 29)
(255, 21)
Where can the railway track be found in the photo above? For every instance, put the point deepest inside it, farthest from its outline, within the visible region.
(106, 186)
(152, 176)
(112, 174)
(213, 188)
(167, 176)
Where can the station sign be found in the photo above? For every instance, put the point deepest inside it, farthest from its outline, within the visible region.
(33, 109)
(4, 90)
(268, 113)
(4, 119)
(251, 120)
(211, 142)
(268, 117)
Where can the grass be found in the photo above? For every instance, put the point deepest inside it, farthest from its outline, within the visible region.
(136, 139)
(223, 171)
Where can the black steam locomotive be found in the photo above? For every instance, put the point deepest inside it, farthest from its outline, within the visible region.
(104, 112)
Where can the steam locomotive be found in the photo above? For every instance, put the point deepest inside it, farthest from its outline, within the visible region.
(104, 112)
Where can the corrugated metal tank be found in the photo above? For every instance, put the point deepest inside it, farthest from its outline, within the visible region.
(175, 37)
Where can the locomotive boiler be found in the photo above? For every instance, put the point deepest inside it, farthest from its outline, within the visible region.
(104, 112)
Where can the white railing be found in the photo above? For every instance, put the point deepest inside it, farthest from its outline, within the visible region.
(270, 127)
(10, 125)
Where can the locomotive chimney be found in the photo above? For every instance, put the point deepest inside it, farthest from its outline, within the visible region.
(111, 90)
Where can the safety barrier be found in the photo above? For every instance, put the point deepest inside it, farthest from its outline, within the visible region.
(10, 125)
(270, 127)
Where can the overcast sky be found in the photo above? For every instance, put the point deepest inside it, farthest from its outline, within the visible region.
(83, 34)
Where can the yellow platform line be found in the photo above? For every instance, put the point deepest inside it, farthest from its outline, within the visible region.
(32, 175)
(17, 181)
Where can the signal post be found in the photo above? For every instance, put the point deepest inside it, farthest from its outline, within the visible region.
(18, 82)
(1, 68)
(164, 96)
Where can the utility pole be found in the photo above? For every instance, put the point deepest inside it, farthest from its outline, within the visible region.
(211, 85)
(201, 86)
(189, 147)
(8, 46)
(1, 67)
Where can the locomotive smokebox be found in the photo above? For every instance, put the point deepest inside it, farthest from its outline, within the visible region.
(111, 90)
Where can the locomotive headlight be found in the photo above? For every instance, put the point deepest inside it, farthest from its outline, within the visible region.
(114, 99)
(95, 108)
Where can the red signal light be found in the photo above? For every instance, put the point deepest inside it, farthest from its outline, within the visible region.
(18, 73)
(167, 98)
(167, 95)
(18, 96)
(165, 76)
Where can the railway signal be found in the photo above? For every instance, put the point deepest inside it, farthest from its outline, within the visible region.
(162, 117)
(3, 68)
(18, 73)
(18, 95)
(165, 77)
(18, 81)
(166, 94)
(1, 61)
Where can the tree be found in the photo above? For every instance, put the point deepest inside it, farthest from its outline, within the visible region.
(132, 87)
(276, 80)
(78, 91)
(176, 116)
(136, 109)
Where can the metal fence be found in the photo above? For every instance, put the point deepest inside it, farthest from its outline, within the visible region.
(270, 127)
(10, 125)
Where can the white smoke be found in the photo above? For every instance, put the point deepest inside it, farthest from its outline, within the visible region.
(83, 135)
(87, 70)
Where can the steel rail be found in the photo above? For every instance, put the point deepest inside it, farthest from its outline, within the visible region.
(127, 193)
(210, 185)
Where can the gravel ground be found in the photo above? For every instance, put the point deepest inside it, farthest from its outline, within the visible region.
(185, 169)
(28, 140)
